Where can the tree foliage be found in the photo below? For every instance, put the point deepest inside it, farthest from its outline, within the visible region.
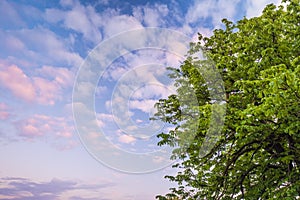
(257, 155)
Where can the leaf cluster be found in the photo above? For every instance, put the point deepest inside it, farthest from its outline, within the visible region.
(257, 155)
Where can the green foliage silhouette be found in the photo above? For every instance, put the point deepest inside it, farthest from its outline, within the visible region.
(257, 155)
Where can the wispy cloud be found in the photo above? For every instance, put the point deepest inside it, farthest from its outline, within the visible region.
(152, 16)
(79, 18)
(38, 46)
(12, 18)
(15, 188)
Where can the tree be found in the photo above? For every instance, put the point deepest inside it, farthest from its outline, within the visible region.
(257, 155)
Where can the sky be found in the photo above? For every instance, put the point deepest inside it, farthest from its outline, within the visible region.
(78, 81)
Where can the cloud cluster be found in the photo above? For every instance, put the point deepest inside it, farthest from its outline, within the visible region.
(152, 16)
(14, 188)
(46, 88)
(42, 48)
(92, 25)
(79, 18)
(58, 131)
(37, 46)
(42, 125)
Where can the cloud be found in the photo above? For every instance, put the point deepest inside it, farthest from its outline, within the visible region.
(153, 90)
(255, 7)
(62, 76)
(42, 125)
(146, 106)
(12, 18)
(120, 23)
(13, 78)
(127, 139)
(158, 159)
(100, 91)
(80, 18)
(38, 46)
(59, 132)
(13, 43)
(103, 119)
(45, 42)
(214, 9)
(25, 189)
(151, 16)
(45, 91)
(67, 3)
(94, 26)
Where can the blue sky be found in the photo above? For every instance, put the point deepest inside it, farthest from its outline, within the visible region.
(47, 154)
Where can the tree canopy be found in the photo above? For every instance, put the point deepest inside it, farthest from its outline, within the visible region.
(257, 154)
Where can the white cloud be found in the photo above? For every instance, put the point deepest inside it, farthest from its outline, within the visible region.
(100, 91)
(62, 76)
(216, 9)
(116, 72)
(53, 15)
(46, 42)
(144, 105)
(80, 18)
(38, 46)
(255, 7)
(151, 16)
(67, 3)
(85, 90)
(156, 91)
(77, 19)
(201, 9)
(103, 119)
(126, 139)
(158, 159)
(85, 20)
(120, 23)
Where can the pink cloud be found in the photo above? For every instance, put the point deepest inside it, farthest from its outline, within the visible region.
(62, 76)
(4, 114)
(45, 90)
(43, 125)
(29, 130)
(126, 139)
(17, 82)
(59, 132)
